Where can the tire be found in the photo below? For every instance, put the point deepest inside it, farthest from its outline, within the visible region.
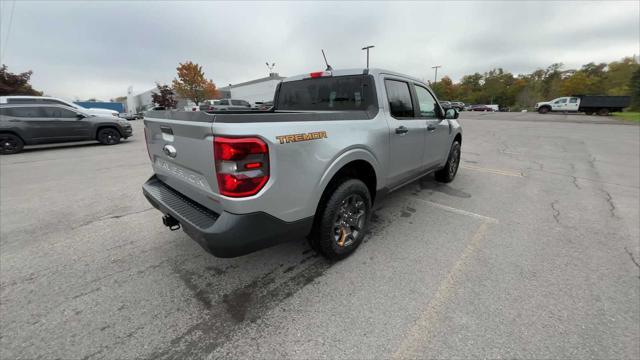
(449, 171)
(341, 221)
(603, 112)
(10, 144)
(589, 112)
(109, 136)
(544, 110)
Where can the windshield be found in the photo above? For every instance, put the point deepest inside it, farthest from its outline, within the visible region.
(353, 92)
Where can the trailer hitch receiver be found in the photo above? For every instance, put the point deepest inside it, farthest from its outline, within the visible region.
(171, 222)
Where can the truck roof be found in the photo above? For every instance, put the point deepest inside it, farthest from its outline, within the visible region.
(355, 71)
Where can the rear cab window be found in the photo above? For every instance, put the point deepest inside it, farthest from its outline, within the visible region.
(339, 93)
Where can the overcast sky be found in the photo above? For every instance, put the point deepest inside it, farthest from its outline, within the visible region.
(84, 49)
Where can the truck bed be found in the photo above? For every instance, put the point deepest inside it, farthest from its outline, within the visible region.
(598, 101)
(242, 116)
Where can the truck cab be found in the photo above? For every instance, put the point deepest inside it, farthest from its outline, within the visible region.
(566, 103)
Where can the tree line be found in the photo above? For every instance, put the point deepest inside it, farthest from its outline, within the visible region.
(190, 84)
(496, 86)
(522, 91)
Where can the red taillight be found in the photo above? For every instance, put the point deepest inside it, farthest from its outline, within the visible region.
(319, 74)
(146, 142)
(238, 148)
(242, 165)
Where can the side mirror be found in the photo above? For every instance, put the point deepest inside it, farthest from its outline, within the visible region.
(80, 116)
(451, 114)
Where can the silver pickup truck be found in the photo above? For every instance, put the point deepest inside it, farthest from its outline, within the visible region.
(335, 143)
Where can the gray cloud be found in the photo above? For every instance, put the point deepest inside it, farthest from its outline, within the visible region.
(99, 48)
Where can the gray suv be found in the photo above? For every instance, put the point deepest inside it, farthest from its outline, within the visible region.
(22, 125)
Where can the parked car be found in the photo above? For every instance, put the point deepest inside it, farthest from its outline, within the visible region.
(31, 124)
(263, 106)
(151, 108)
(131, 116)
(23, 99)
(480, 108)
(206, 107)
(589, 104)
(445, 104)
(229, 104)
(315, 165)
(458, 105)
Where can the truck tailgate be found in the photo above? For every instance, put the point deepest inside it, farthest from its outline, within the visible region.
(181, 153)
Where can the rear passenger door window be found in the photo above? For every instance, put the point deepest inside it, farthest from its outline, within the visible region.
(21, 101)
(399, 97)
(25, 112)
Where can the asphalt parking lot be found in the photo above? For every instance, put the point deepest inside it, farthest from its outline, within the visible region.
(532, 252)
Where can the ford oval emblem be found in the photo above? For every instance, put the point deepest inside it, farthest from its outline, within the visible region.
(170, 151)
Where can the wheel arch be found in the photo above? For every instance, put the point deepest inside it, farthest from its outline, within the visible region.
(15, 133)
(105, 126)
(356, 163)
(458, 138)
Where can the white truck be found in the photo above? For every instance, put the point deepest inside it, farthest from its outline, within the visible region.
(588, 104)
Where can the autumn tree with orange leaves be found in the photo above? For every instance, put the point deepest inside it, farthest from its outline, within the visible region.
(191, 83)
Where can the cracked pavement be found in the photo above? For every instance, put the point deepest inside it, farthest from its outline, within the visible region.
(532, 252)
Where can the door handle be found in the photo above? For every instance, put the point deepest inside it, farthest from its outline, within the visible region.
(431, 127)
(402, 130)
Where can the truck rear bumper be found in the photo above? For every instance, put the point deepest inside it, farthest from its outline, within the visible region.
(226, 234)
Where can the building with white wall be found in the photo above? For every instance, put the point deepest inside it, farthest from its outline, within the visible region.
(262, 89)
(143, 101)
(258, 90)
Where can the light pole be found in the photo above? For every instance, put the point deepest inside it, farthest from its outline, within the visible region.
(435, 77)
(367, 48)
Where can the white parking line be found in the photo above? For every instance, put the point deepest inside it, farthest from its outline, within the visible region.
(414, 340)
(419, 333)
(457, 211)
(493, 171)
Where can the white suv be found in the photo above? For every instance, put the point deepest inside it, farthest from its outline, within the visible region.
(20, 99)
